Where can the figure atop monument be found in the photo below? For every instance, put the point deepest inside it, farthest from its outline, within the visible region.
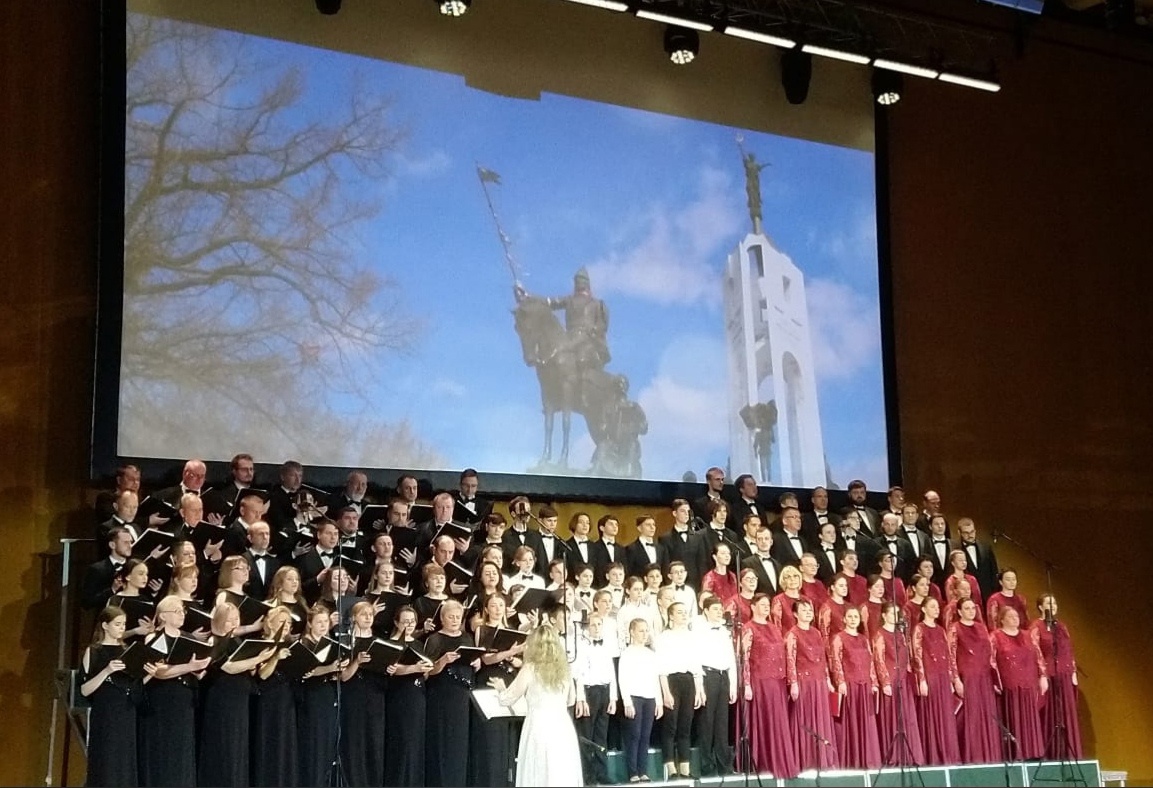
(752, 184)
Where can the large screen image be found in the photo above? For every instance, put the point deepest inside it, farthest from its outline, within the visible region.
(360, 263)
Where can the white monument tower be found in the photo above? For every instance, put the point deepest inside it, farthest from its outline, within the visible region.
(774, 419)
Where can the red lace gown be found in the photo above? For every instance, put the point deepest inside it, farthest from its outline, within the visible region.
(858, 590)
(935, 710)
(831, 618)
(971, 660)
(913, 612)
(900, 596)
(806, 664)
(999, 600)
(950, 615)
(952, 580)
(815, 592)
(1059, 704)
(890, 650)
(851, 663)
(723, 587)
(770, 735)
(871, 618)
(740, 609)
(781, 611)
(1020, 667)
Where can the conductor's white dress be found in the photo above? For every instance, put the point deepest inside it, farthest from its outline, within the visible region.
(549, 754)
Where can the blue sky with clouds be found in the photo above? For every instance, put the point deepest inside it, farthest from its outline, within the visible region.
(652, 205)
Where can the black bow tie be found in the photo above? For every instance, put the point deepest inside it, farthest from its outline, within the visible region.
(608, 542)
(680, 588)
(526, 577)
(766, 559)
(646, 543)
(546, 536)
(467, 500)
(829, 549)
(969, 544)
(326, 555)
(117, 564)
(582, 541)
(940, 541)
(586, 593)
(259, 556)
(796, 537)
(598, 642)
(891, 539)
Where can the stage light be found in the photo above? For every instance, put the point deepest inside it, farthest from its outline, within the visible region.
(887, 87)
(835, 54)
(682, 44)
(454, 7)
(905, 68)
(704, 27)
(328, 7)
(969, 82)
(796, 73)
(764, 38)
(611, 5)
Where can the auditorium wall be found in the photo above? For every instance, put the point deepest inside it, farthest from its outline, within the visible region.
(1022, 359)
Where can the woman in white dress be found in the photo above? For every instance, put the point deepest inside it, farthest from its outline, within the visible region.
(549, 754)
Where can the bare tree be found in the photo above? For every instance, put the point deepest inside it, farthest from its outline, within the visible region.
(249, 304)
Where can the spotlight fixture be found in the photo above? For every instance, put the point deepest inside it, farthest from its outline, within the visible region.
(887, 87)
(796, 73)
(453, 7)
(682, 44)
(328, 7)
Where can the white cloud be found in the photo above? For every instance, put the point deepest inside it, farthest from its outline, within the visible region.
(845, 329)
(450, 389)
(852, 245)
(674, 262)
(434, 163)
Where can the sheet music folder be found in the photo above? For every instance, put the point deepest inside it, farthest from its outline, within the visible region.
(487, 702)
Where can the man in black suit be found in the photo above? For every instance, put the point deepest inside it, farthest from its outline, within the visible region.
(745, 502)
(917, 539)
(123, 513)
(709, 536)
(827, 550)
(869, 519)
(100, 581)
(191, 481)
(249, 509)
(646, 550)
(851, 538)
(282, 512)
(714, 489)
(353, 494)
(982, 559)
(606, 551)
(316, 563)
(768, 569)
(746, 544)
(127, 480)
(519, 534)
(930, 508)
(905, 560)
(262, 564)
(222, 498)
(788, 544)
(811, 522)
(580, 552)
(682, 543)
(938, 549)
(896, 500)
(784, 501)
(551, 546)
(473, 508)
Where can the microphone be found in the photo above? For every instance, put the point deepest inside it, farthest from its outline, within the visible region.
(996, 535)
(591, 743)
(698, 524)
(817, 736)
(1005, 732)
(1050, 619)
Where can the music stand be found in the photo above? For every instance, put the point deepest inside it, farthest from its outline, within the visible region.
(487, 701)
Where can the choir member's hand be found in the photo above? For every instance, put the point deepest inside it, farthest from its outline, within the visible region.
(408, 555)
(284, 654)
(794, 690)
(449, 658)
(660, 711)
(334, 618)
(456, 588)
(267, 654)
(212, 551)
(958, 687)
(631, 712)
(1044, 685)
(146, 626)
(923, 689)
(517, 649)
(888, 690)
(429, 625)
(391, 669)
(157, 553)
(114, 666)
(1074, 677)
(746, 641)
(997, 687)
(154, 585)
(668, 699)
(117, 584)
(158, 670)
(581, 709)
(214, 519)
(497, 684)
(462, 545)
(362, 658)
(612, 707)
(748, 692)
(732, 693)
(698, 699)
(309, 674)
(517, 662)
(156, 520)
(842, 688)
(152, 669)
(199, 664)
(475, 664)
(378, 525)
(829, 684)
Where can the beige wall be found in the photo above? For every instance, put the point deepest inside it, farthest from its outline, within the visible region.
(1023, 357)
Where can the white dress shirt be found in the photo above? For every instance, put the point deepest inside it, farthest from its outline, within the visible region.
(594, 667)
(637, 674)
(678, 651)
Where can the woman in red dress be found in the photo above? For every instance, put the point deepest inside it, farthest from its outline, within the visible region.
(812, 588)
(952, 609)
(831, 616)
(770, 736)
(871, 609)
(898, 711)
(1007, 596)
(740, 607)
(719, 581)
(1022, 677)
(858, 584)
(1059, 708)
(925, 569)
(935, 701)
(781, 610)
(809, 686)
(918, 592)
(855, 676)
(960, 576)
(972, 666)
(894, 586)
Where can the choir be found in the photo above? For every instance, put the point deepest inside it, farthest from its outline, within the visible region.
(279, 641)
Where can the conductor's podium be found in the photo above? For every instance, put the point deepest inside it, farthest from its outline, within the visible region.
(1086, 773)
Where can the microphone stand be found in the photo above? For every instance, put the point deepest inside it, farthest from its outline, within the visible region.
(744, 743)
(818, 740)
(899, 747)
(1008, 742)
(336, 776)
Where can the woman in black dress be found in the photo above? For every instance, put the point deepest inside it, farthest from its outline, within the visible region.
(489, 739)
(114, 696)
(404, 752)
(224, 703)
(166, 725)
(449, 685)
(428, 606)
(363, 708)
(274, 713)
(316, 719)
(134, 595)
(284, 591)
(234, 572)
